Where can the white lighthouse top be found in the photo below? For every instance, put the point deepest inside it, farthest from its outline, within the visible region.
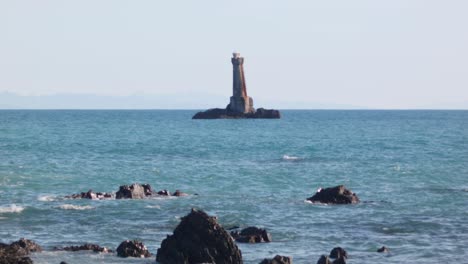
(236, 55)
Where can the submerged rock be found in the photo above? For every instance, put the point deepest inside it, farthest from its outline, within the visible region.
(383, 249)
(339, 254)
(132, 248)
(278, 260)
(334, 195)
(199, 239)
(93, 247)
(220, 113)
(16, 252)
(90, 195)
(164, 193)
(134, 191)
(251, 235)
(179, 193)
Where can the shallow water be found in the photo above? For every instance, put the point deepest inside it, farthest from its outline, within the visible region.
(408, 167)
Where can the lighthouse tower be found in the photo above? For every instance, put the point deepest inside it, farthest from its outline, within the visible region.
(240, 102)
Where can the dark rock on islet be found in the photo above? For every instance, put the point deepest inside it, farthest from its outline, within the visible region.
(225, 113)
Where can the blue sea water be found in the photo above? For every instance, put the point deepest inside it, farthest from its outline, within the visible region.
(409, 168)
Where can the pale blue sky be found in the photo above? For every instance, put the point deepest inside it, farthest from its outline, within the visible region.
(370, 54)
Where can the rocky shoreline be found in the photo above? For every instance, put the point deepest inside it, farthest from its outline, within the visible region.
(198, 238)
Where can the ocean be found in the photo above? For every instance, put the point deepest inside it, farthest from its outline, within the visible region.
(409, 168)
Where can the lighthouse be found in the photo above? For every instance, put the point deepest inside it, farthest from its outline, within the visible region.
(240, 102)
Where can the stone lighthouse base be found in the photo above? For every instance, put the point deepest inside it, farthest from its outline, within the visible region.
(220, 113)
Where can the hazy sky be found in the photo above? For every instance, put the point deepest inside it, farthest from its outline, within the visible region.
(377, 54)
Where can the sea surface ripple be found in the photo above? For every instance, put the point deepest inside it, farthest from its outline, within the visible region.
(409, 168)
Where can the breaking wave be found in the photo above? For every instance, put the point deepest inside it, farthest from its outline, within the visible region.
(46, 198)
(75, 207)
(11, 209)
(286, 157)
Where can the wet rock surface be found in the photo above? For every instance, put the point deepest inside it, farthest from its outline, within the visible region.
(134, 191)
(383, 249)
(251, 235)
(132, 248)
(324, 260)
(224, 113)
(164, 193)
(199, 239)
(334, 195)
(338, 254)
(18, 251)
(179, 193)
(91, 247)
(90, 195)
(277, 260)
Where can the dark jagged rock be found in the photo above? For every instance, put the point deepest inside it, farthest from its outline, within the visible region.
(132, 248)
(383, 249)
(334, 195)
(251, 235)
(324, 260)
(92, 247)
(220, 113)
(90, 195)
(179, 193)
(199, 239)
(63, 262)
(278, 260)
(340, 260)
(16, 252)
(26, 245)
(164, 193)
(134, 191)
(338, 252)
(9, 255)
(267, 113)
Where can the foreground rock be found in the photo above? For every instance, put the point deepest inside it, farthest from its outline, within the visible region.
(199, 239)
(132, 248)
(277, 260)
(334, 195)
(16, 252)
(134, 191)
(90, 195)
(251, 235)
(220, 113)
(91, 247)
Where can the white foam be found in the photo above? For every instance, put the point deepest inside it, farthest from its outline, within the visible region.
(75, 207)
(46, 198)
(153, 206)
(11, 209)
(286, 157)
